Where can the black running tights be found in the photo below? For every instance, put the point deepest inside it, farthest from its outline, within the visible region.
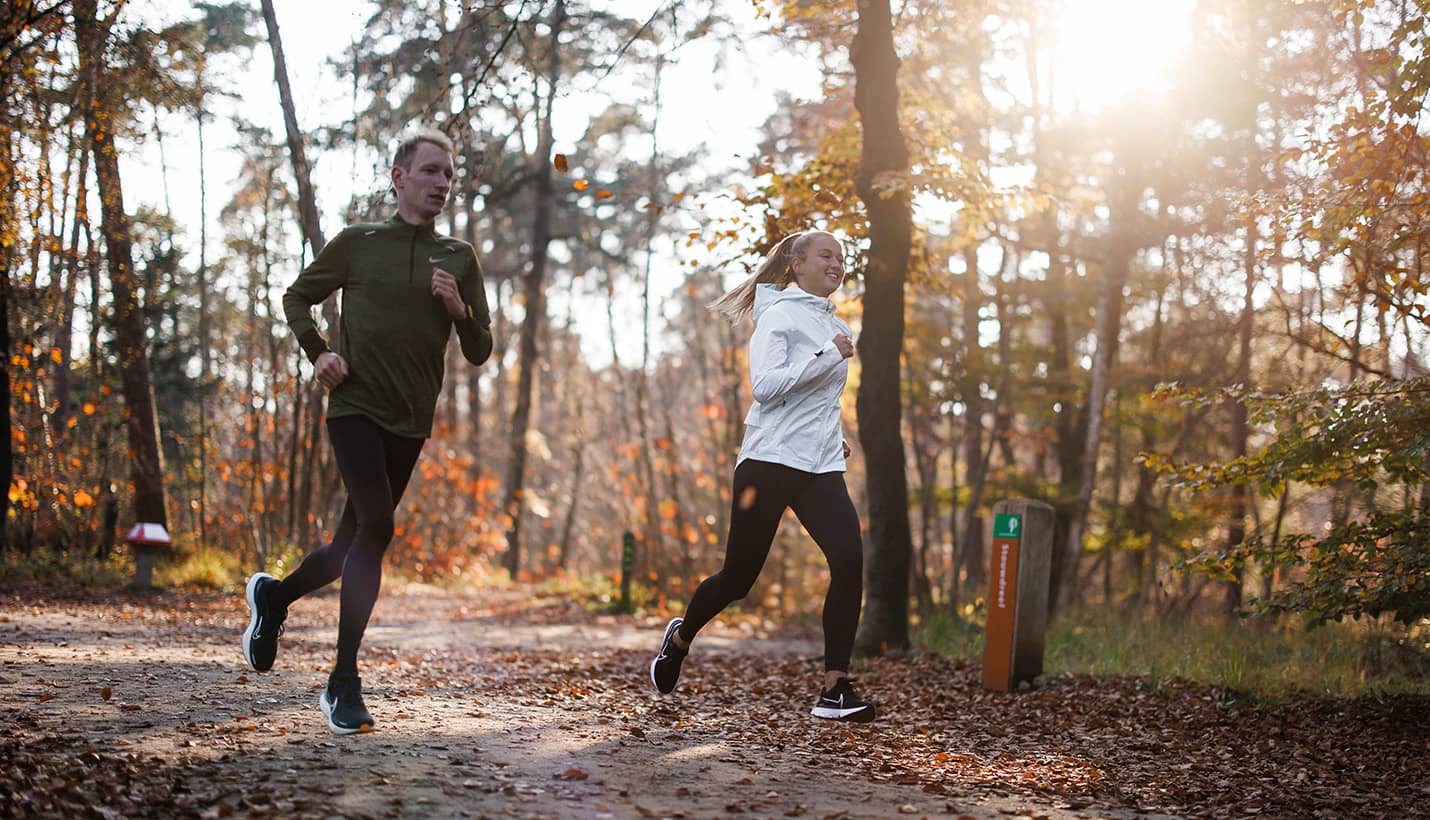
(375, 466)
(762, 492)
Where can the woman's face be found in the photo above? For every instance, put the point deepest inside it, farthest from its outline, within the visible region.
(820, 270)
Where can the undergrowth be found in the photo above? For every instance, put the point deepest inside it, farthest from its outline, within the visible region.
(1262, 658)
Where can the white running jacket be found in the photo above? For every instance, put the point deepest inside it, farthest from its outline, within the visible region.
(798, 376)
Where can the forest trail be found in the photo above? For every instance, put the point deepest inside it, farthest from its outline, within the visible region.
(510, 704)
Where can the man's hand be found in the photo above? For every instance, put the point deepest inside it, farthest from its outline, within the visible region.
(444, 287)
(330, 369)
(847, 448)
(845, 345)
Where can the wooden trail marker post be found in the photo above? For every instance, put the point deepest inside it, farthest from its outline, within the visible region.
(628, 563)
(1017, 593)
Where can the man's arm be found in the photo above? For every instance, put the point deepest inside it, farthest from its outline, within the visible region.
(474, 330)
(326, 273)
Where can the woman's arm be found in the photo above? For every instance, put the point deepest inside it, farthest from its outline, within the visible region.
(773, 372)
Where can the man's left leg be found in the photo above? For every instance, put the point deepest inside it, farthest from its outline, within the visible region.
(376, 467)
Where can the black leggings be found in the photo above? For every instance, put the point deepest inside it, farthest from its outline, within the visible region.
(375, 466)
(761, 493)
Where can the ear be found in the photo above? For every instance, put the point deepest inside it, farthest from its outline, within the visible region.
(396, 175)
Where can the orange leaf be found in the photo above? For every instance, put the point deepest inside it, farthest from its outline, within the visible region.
(89, 408)
(560, 162)
(580, 185)
(56, 356)
(604, 194)
(106, 693)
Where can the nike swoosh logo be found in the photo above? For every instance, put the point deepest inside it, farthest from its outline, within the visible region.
(436, 258)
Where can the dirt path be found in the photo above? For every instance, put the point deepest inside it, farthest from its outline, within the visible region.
(492, 705)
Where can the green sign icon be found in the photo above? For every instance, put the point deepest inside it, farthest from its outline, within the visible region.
(1007, 525)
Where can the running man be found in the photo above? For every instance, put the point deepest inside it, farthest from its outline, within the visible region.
(405, 288)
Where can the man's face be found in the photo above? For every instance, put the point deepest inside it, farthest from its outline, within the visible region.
(422, 188)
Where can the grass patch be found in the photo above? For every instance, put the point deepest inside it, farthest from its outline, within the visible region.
(208, 569)
(46, 568)
(1264, 659)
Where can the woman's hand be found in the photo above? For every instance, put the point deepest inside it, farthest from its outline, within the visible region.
(845, 345)
(330, 369)
(444, 287)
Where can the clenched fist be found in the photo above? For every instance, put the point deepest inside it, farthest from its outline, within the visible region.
(444, 287)
(331, 369)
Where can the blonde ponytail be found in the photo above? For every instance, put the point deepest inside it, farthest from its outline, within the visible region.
(738, 302)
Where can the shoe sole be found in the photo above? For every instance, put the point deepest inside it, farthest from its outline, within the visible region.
(863, 714)
(669, 628)
(252, 619)
(340, 730)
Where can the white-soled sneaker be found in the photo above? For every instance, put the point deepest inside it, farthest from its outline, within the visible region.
(843, 703)
(665, 667)
(265, 622)
(342, 705)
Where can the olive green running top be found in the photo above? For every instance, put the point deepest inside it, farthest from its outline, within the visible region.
(393, 332)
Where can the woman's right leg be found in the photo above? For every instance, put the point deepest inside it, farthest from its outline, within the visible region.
(759, 496)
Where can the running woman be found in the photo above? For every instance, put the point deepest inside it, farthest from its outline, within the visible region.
(405, 289)
(792, 458)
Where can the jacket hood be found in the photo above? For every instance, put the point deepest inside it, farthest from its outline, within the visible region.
(767, 295)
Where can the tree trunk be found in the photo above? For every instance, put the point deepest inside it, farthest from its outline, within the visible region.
(1240, 429)
(885, 624)
(307, 197)
(204, 352)
(64, 333)
(311, 228)
(147, 468)
(1109, 325)
(534, 289)
(651, 544)
(1058, 304)
(926, 467)
(578, 463)
(8, 235)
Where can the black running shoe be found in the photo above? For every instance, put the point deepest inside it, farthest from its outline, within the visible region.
(342, 704)
(665, 668)
(265, 623)
(843, 703)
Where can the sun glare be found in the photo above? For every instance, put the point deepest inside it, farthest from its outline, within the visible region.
(1106, 51)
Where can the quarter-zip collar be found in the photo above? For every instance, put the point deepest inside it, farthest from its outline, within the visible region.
(425, 231)
(413, 233)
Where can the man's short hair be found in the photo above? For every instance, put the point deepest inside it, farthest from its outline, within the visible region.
(402, 158)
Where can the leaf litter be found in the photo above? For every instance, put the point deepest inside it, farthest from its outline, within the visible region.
(473, 723)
